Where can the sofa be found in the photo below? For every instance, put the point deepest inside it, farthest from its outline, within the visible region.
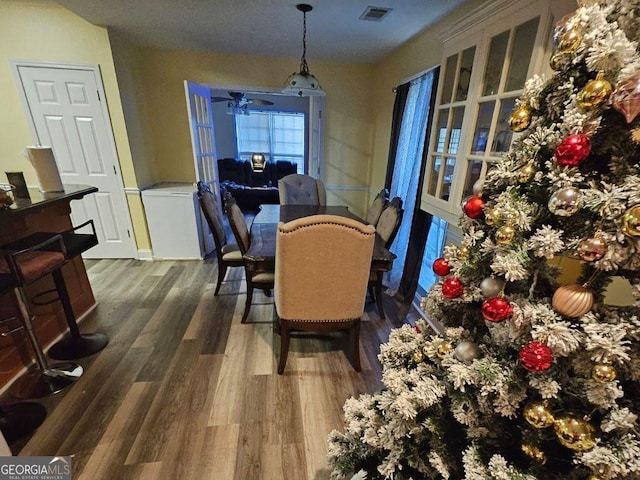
(252, 188)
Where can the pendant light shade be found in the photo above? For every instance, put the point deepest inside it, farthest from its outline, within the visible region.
(303, 83)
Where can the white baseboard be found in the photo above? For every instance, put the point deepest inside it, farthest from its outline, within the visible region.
(145, 254)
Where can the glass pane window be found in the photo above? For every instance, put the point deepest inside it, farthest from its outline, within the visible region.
(521, 54)
(474, 170)
(504, 135)
(252, 133)
(432, 250)
(443, 118)
(434, 173)
(495, 61)
(449, 75)
(483, 125)
(277, 135)
(456, 130)
(447, 179)
(464, 75)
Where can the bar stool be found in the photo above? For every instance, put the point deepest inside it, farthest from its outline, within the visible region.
(18, 419)
(25, 267)
(75, 345)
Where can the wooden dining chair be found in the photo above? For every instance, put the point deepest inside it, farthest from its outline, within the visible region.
(228, 254)
(296, 189)
(322, 270)
(259, 280)
(387, 228)
(377, 207)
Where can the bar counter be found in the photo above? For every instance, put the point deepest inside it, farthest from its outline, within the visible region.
(43, 212)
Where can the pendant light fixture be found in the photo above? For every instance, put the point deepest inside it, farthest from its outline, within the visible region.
(303, 83)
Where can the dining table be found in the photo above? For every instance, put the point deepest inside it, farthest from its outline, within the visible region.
(261, 255)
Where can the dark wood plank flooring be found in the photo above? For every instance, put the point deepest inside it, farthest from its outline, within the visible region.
(183, 390)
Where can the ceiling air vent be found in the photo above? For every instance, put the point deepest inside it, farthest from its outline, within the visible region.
(375, 14)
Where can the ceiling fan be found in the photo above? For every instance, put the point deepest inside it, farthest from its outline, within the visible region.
(237, 102)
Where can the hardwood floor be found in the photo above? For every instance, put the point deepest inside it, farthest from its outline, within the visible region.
(183, 390)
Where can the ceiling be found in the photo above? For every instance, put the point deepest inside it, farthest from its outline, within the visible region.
(266, 27)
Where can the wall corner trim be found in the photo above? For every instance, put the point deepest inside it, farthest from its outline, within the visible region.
(489, 9)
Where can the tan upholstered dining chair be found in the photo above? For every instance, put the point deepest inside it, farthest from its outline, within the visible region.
(296, 189)
(228, 254)
(322, 270)
(377, 207)
(259, 280)
(387, 228)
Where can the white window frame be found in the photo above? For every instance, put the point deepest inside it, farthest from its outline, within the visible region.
(300, 159)
(477, 30)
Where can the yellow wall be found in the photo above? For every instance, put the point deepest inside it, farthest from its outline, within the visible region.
(145, 95)
(161, 73)
(54, 34)
(51, 33)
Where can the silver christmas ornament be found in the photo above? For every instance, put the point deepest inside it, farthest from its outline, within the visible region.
(565, 202)
(466, 351)
(477, 187)
(491, 287)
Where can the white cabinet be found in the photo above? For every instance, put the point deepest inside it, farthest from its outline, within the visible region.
(174, 221)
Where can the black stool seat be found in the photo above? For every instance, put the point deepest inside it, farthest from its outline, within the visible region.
(75, 345)
(74, 243)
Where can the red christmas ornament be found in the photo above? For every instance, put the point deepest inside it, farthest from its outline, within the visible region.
(452, 288)
(473, 206)
(573, 150)
(441, 267)
(496, 309)
(536, 357)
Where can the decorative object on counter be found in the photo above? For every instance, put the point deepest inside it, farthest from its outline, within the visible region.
(44, 163)
(17, 180)
(6, 195)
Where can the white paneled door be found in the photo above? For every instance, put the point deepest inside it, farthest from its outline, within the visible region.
(67, 110)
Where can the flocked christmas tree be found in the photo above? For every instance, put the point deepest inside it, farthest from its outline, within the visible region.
(531, 380)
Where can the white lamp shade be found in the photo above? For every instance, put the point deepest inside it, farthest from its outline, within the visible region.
(303, 85)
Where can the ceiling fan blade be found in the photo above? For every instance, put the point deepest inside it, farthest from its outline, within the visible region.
(220, 99)
(259, 101)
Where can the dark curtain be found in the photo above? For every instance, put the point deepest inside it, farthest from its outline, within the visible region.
(421, 219)
(396, 122)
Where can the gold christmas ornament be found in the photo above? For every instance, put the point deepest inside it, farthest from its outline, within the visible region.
(505, 235)
(563, 25)
(538, 415)
(569, 41)
(592, 249)
(417, 357)
(520, 119)
(572, 300)
(534, 452)
(444, 348)
(575, 433)
(463, 252)
(491, 217)
(526, 173)
(631, 222)
(603, 373)
(594, 93)
(556, 61)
